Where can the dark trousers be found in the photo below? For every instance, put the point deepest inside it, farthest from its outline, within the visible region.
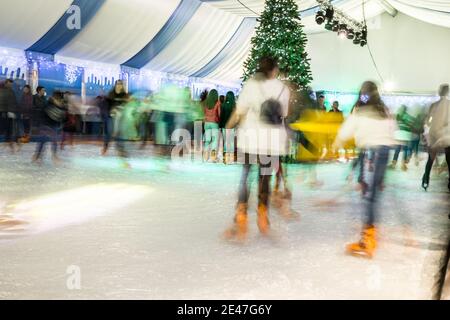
(414, 147)
(266, 165)
(107, 130)
(24, 126)
(406, 151)
(432, 154)
(7, 127)
(374, 180)
(47, 134)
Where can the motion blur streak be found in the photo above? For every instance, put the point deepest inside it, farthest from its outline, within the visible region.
(75, 206)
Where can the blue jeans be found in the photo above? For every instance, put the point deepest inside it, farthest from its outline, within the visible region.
(264, 178)
(374, 180)
(211, 136)
(228, 140)
(406, 151)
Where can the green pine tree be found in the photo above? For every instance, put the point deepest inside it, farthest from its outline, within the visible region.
(280, 34)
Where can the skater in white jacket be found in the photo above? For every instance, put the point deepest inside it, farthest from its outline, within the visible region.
(373, 129)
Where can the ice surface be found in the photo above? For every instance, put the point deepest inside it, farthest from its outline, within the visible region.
(154, 232)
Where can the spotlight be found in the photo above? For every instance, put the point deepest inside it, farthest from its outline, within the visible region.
(320, 17)
(357, 38)
(329, 13)
(335, 27)
(350, 34)
(342, 30)
(363, 41)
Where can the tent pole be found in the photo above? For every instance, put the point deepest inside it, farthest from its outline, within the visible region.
(388, 7)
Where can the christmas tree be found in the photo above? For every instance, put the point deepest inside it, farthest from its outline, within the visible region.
(280, 35)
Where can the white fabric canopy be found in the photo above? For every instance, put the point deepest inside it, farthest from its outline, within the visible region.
(253, 6)
(119, 30)
(434, 12)
(23, 22)
(232, 68)
(200, 40)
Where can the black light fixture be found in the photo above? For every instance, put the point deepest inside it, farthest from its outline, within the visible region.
(335, 27)
(350, 34)
(329, 13)
(320, 17)
(337, 21)
(357, 38)
(363, 41)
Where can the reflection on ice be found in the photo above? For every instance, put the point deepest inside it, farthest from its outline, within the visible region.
(68, 207)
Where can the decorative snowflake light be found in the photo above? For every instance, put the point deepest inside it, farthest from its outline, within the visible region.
(71, 74)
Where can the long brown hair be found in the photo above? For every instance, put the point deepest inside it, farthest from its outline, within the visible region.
(212, 99)
(266, 66)
(369, 97)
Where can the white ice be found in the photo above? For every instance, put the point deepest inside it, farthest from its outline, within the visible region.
(155, 232)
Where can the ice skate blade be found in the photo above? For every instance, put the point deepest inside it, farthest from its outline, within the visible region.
(360, 254)
(235, 240)
(271, 236)
(232, 236)
(290, 217)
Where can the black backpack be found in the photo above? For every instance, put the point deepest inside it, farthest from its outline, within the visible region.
(55, 113)
(272, 111)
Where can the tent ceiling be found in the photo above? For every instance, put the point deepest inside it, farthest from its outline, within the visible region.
(119, 30)
(166, 36)
(24, 22)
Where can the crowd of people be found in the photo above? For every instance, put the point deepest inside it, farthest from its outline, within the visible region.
(270, 123)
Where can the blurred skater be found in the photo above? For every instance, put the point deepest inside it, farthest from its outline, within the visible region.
(25, 109)
(51, 117)
(228, 135)
(116, 99)
(439, 133)
(262, 139)
(8, 114)
(212, 109)
(373, 129)
(405, 124)
(70, 123)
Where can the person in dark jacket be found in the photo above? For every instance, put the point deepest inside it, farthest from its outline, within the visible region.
(116, 99)
(335, 107)
(25, 109)
(39, 104)
(8, 113)
(228, 135)
(51, 117)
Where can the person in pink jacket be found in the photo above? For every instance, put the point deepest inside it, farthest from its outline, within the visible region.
(212, 108)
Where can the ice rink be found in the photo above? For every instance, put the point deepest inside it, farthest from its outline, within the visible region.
(95, 230)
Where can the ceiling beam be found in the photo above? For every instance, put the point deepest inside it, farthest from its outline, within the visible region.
(388, 7)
